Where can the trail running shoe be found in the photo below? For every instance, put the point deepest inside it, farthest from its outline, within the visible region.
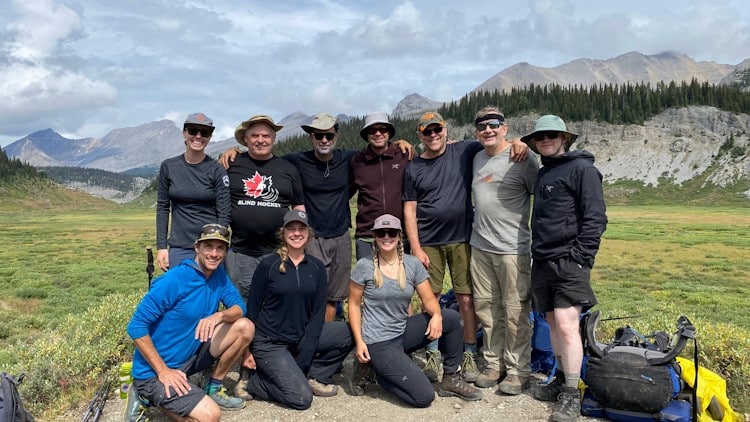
(225, 401)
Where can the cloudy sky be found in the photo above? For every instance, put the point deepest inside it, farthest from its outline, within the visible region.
(85, 67)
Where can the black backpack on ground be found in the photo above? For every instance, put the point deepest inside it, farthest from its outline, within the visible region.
(635, 373)
(11, 408)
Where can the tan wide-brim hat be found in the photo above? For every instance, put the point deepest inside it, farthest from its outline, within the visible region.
(239, 133)
(321, 121)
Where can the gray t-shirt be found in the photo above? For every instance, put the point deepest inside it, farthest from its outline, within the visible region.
(384, 309)
(502, 191)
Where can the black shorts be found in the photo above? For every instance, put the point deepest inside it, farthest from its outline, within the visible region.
(561, 283)
(153, 390)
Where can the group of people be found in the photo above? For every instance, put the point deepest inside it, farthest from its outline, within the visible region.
(257, 255)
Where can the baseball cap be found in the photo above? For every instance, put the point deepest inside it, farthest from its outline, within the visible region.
(429, 118)
(214, 231)
(387, 221)
(199, 119)
(295, 215)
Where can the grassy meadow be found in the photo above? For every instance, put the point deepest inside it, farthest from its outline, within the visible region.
(70, 279)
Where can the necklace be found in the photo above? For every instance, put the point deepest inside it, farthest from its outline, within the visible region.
(389, 264)
(327, 172)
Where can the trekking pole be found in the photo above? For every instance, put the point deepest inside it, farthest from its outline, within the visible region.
(149, 265)
(96, 407)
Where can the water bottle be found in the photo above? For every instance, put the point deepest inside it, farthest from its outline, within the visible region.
(125, 378)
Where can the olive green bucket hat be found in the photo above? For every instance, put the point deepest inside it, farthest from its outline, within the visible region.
(548, 123)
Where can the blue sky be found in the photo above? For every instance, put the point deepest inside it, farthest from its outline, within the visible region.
(85, 67)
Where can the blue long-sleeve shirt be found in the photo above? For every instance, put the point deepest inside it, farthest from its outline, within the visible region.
(290, 308)
(171, 309)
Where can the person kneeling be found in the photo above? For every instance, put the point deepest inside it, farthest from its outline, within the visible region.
(178, 331)
(385, 334)
(295, 353)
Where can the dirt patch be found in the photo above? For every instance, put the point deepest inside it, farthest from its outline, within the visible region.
(376, 405)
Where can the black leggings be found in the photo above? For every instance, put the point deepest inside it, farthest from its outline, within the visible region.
(279, 379)
(398, 374)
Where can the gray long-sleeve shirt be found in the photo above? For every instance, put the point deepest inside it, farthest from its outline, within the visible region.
(194, 194)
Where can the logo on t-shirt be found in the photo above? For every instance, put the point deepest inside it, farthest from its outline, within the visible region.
(260, 187)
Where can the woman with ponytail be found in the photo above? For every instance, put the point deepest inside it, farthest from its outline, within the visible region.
(295, 353)
(380, 292)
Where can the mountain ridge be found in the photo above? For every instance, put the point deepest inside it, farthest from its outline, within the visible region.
(140, 149)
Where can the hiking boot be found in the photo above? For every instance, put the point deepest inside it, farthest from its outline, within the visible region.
(551, 391)
(322, 390)
(135, 409)
(489, 378)
(225, 401)
(569, 406)
(513, 385)
(433, 367)
(240, 389)
(469, 367)
(454, 385)
(361, 376)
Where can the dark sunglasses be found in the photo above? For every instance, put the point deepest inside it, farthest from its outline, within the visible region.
(548, 134)
(383, 232)
(493, 124)
(375, 129)
(319, 136)
(429, 132)
(215, 228)
(204, 131)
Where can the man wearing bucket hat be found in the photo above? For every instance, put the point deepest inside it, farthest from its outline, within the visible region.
(438, 216)
(378, 176)
(262, 188)
(568, 219)
(178, 331)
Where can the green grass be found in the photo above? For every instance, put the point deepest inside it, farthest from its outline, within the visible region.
(74, 270)
(55, 264)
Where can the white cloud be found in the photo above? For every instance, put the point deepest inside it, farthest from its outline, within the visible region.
(85, 67)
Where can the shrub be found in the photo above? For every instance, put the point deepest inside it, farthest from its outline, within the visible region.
(67, 364)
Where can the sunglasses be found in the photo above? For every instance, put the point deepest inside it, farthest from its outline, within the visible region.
(429, 132)
(548, 134)
(215, 228)
(375, 129)
(383, 232)
(204, 131)
(319, 136)
(492, 124)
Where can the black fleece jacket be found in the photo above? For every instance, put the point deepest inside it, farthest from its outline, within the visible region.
(569, 215)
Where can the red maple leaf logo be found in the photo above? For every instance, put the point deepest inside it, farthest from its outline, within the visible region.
(255, 185)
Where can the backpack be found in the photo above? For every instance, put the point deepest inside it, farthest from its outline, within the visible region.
(11, 408)
(635, 373)
(542, 355)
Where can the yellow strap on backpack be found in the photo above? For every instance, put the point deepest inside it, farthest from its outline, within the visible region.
(712, 393)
